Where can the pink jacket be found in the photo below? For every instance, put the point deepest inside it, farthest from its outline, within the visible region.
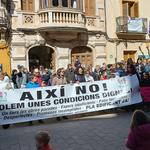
(139, 138)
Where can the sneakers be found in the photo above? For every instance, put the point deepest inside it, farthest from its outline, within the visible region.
(59, 118)
(6, 126)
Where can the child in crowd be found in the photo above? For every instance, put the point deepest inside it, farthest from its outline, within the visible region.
(42, 141)
(139, 136)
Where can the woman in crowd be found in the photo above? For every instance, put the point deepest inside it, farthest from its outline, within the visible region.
(97, 73)
(59, 80)
(88, 77)
(104, 75)
(140, 66)
(14, 78)
(131, 70)
(119, 70)
(139, 136)
(4, 86)
(38, 75)
(145, 80)
(79, 77)
(46, 76)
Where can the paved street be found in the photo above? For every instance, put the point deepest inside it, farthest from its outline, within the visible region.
(96, 133)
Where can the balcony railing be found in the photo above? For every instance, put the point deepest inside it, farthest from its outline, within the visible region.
(51, 19)
(61, 19)
(131, 25)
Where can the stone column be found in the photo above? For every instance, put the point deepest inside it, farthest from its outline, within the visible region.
(63, 57)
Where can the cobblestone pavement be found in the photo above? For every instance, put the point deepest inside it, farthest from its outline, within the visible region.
(107, 132)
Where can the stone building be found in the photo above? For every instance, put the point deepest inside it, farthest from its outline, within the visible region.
(5, 63)
(54, 33)
(127, 24)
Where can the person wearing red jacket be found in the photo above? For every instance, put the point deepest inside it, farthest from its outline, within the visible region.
(139, 136)
(38, 75)
(42, 140)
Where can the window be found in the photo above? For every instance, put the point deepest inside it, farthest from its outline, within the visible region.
(64, 3)
(44, 4)
(55, 3)
(74, 3)
(27, 5)
(130, 8)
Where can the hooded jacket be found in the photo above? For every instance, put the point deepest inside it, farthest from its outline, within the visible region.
(139, 138)
(47, 147)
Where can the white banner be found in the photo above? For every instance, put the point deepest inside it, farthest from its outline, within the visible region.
(40, 103)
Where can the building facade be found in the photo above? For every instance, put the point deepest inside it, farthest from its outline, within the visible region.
(127, 29)
(54, 33)
(5, 63)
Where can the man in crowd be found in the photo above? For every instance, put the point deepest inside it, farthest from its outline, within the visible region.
(70, 74)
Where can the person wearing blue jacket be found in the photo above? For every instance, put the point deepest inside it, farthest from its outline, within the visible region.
(33, 83)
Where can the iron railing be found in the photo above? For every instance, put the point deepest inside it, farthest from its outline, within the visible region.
(125, 24)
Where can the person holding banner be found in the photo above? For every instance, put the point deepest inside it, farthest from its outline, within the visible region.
(88, 77)
(131, 70)
(33, 84)
(59, 79)
(139, 136)
(79, 77)
(4, 86)
(70, 74)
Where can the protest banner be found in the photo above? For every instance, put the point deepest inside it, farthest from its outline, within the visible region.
(23, 105)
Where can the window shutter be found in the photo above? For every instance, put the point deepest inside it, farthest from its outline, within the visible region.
(24, 5)
(125, 9)
(30, 5)
(136, 9)
(27, 5)
(90, 7)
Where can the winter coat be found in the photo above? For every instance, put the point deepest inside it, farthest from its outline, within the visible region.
(139, 138)
(58, 81)
(70, 75)
(32, 85)
(46, 78)
(47, 148)
(80, 78)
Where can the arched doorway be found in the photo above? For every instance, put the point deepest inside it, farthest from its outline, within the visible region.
(41, 55)
(83, 53)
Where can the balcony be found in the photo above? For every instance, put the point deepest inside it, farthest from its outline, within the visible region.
(52, 20)
(131, 28)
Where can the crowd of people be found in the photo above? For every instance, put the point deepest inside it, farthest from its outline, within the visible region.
(77, 73)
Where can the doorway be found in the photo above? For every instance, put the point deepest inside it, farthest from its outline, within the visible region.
(41, 55)
(129, 54)
(83, 53)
